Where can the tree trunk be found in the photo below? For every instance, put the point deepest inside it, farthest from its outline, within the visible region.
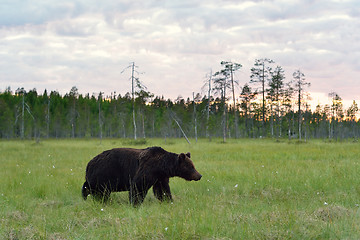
(100, 123)
(224, 115)
(234, 100)
(208, 108)
(300, 119)
(143, 125)
(195, 120)
(263, 100)
(133, 97)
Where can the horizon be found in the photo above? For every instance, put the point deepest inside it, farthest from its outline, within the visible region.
(316, 99)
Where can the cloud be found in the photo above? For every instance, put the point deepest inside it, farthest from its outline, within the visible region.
(22, 12)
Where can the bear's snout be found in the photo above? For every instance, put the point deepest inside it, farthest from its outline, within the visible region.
(197, 176)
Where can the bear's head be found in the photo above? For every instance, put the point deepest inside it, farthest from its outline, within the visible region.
(186, 168)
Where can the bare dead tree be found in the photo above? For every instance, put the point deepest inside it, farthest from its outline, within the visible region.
(135, 85)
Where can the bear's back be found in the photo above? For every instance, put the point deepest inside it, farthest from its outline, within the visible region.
(118, 164)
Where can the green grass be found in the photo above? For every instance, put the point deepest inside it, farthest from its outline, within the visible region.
(251, 189)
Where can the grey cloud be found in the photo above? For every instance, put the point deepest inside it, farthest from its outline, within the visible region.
(19, 12)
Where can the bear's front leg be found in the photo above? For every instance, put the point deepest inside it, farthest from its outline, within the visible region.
(161, 190)
(138, 191)
(136, 197)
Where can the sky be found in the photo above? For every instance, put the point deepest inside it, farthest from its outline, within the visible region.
(55, 45)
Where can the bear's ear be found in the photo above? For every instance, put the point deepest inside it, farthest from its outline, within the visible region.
(188, 154)
(181, 156)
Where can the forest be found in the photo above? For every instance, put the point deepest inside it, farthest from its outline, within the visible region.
(275, 109)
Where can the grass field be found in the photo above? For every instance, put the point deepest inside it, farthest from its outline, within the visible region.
(251, 189)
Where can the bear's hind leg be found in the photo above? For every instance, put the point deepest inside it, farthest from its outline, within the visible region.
(101, 195)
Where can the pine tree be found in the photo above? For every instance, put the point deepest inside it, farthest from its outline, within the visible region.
(261, 73)
(300, 84)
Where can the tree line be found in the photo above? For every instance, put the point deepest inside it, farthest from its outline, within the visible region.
(267, 106)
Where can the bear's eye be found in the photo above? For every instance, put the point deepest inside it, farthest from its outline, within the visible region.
(187, 165)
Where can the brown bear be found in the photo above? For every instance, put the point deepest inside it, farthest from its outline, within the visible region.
(136, 171)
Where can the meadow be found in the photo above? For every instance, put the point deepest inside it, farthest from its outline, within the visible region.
(251, 189)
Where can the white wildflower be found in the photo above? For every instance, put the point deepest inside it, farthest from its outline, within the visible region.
(325, 203)
(166, 228)
(236, 186)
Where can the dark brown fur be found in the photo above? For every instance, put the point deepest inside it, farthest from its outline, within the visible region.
(136, 171)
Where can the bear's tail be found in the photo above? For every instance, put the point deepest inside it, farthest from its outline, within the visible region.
(85, 190)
